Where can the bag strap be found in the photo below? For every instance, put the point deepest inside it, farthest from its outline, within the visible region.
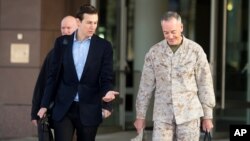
(207, 136)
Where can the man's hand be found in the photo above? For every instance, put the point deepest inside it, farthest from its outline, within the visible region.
(207, 125)
(34, 122)
(110, 95)
(139, 125)
(105, 113)
(42, 112)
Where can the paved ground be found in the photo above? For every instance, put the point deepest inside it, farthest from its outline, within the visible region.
(117, 136)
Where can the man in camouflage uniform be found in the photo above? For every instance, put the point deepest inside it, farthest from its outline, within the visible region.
(177, 72)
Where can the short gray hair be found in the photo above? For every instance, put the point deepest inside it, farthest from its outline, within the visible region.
(169, 15)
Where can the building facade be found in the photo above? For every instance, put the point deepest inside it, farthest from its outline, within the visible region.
(29, 27)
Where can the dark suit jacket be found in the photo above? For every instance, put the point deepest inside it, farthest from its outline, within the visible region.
(39, 87)
(95, 82)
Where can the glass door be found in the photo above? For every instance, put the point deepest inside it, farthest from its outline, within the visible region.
(110, 28)
(232, 69)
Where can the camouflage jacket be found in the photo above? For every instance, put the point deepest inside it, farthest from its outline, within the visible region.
(181, 83)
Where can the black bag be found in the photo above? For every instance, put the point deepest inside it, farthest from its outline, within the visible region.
(207, 136)
(44, 130)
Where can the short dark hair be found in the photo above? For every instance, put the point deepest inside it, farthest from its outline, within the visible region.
(88, 9)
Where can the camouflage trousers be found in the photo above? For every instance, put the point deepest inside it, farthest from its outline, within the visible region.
(188, 131)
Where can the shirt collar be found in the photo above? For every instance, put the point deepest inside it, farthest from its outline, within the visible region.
(75, 39)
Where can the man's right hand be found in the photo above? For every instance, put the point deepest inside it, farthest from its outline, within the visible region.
(105, 113)
(34, 122)
(139, 125)
(42, 112)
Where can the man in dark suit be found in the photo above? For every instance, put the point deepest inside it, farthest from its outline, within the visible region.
(79, 79)
(68, 26)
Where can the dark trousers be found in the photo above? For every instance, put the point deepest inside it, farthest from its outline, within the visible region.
(64, 129)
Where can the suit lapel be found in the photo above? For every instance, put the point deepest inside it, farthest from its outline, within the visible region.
(90, 57)
(69, 55)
